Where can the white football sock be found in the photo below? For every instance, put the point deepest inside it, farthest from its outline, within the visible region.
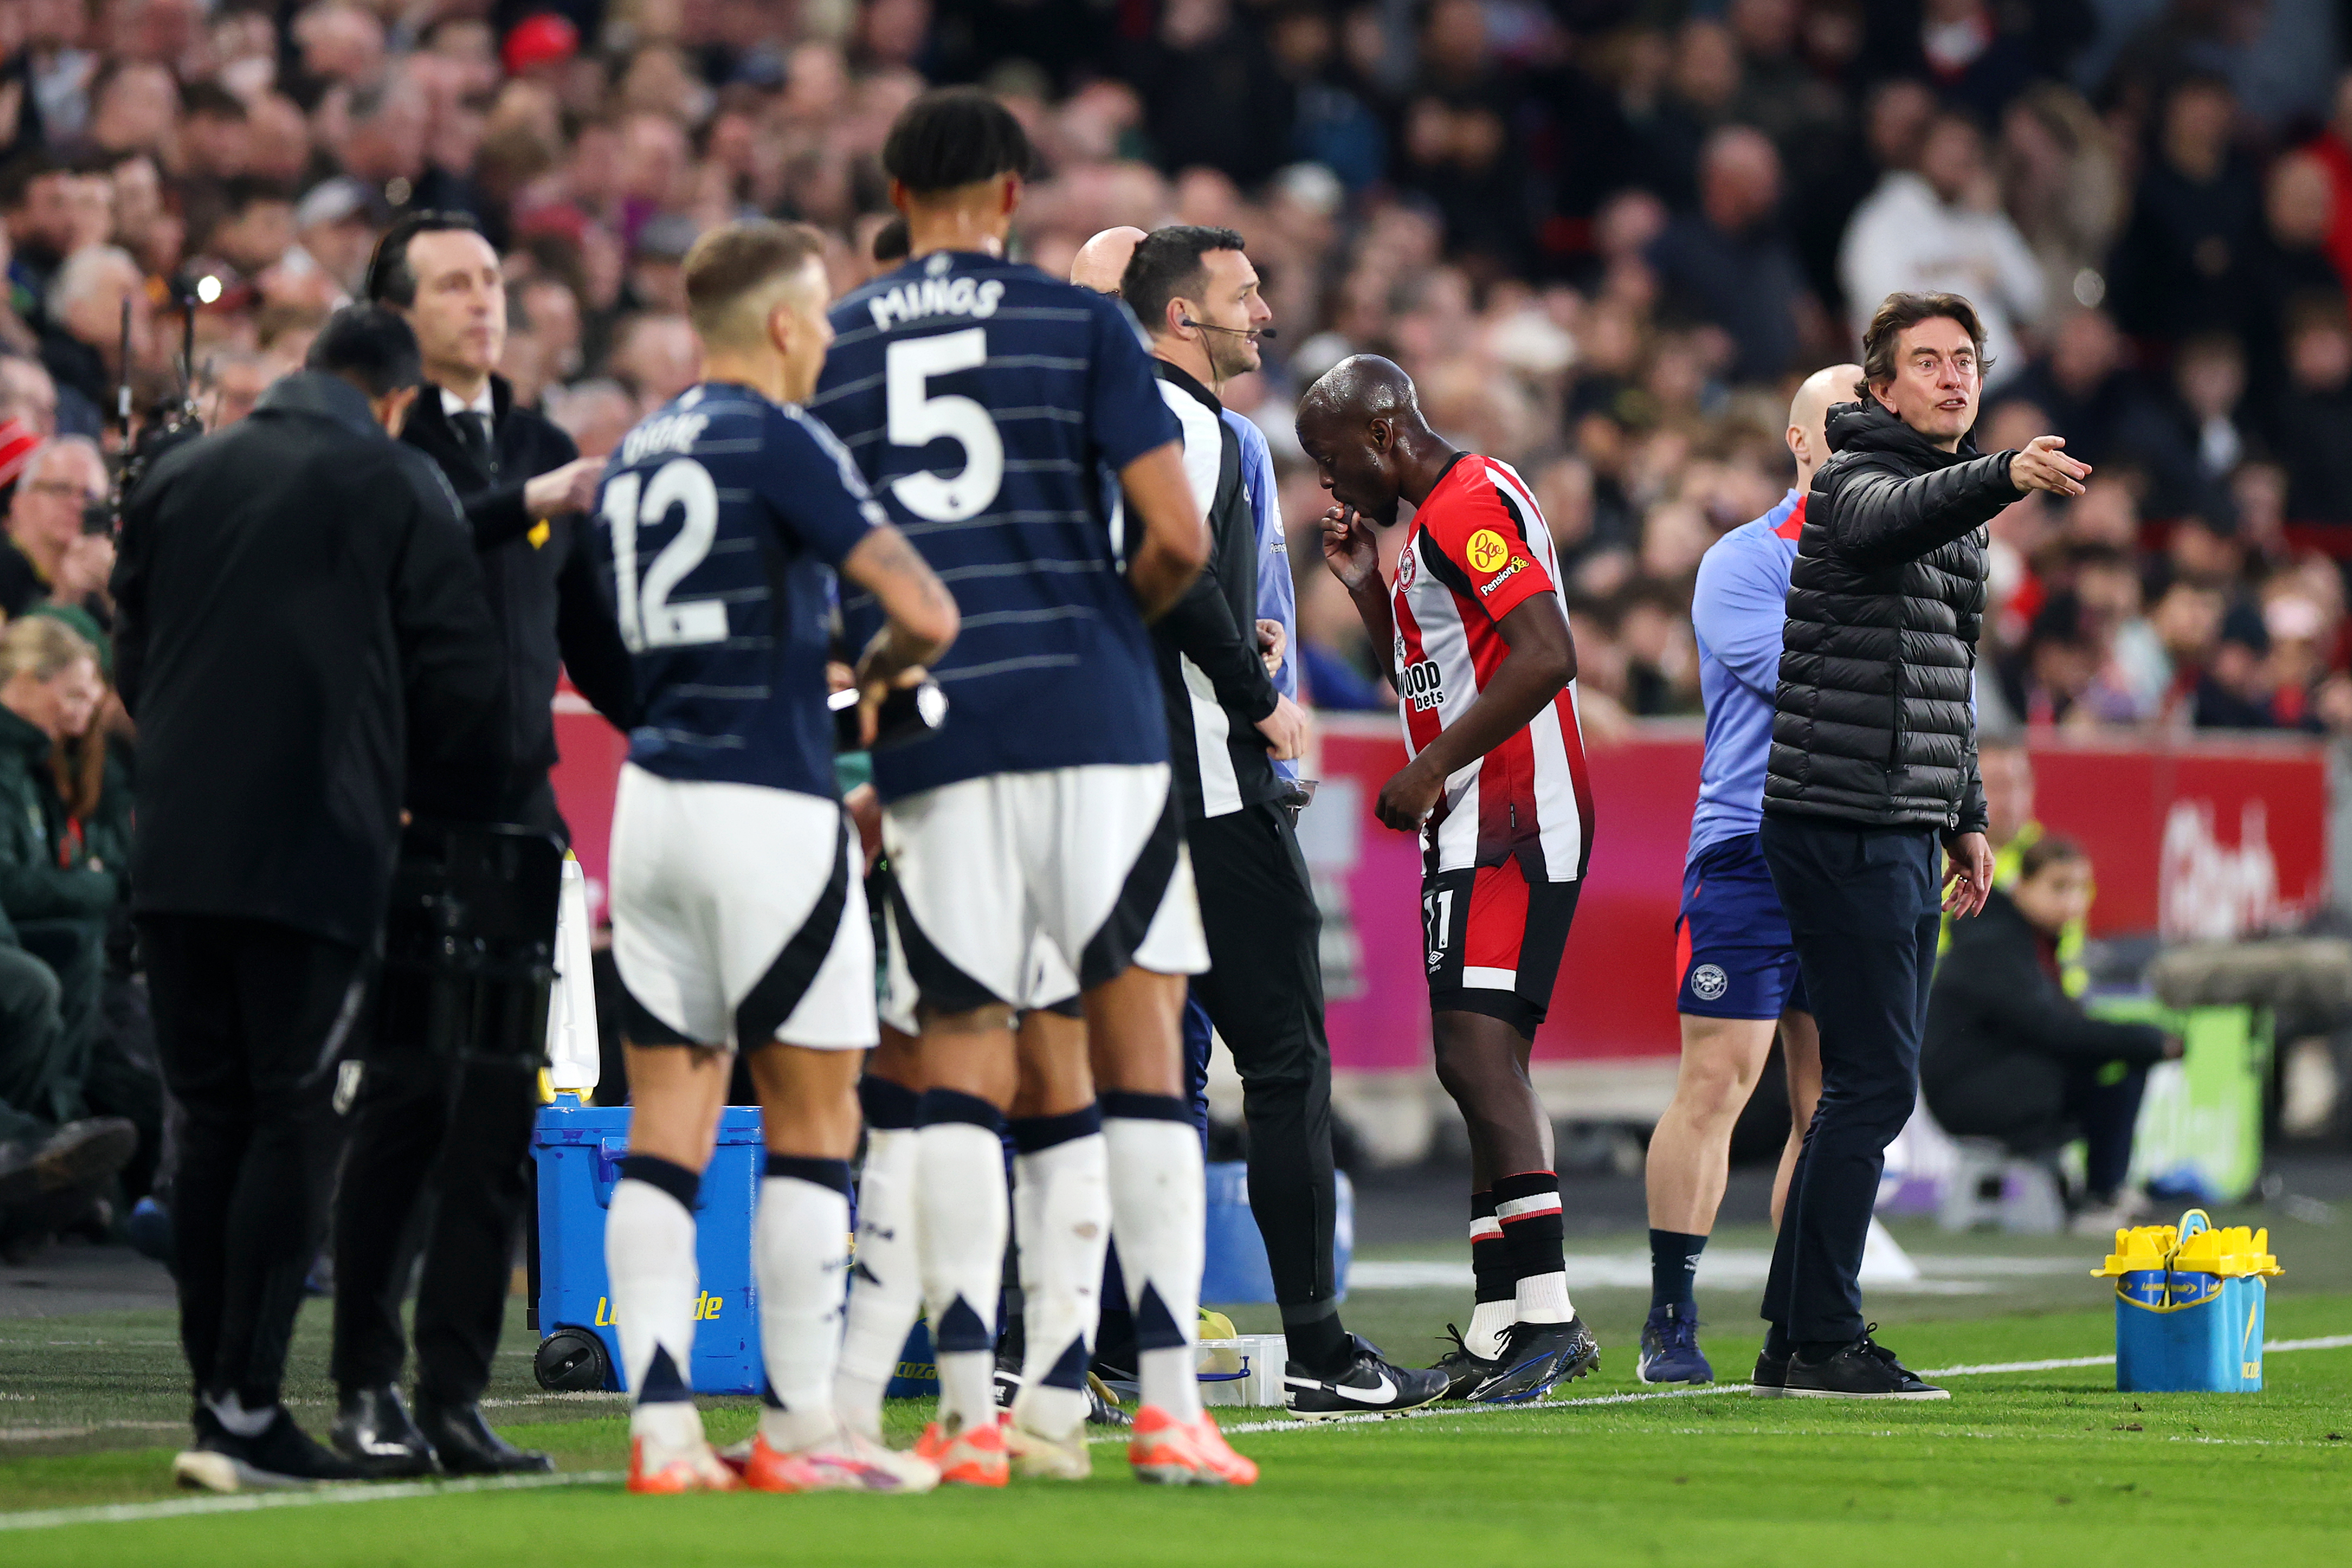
(1062, 1196)
(1543, 1298)
(650, 1258)
(799, 1247)
(886, 1290)
(1158, 1210)
(236, 1419)
(959, 1194)
(1489, 1321)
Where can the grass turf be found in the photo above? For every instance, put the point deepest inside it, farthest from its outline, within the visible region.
(2023, 1468)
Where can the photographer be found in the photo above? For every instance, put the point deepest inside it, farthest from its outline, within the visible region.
(304, 641)
(426, 1122)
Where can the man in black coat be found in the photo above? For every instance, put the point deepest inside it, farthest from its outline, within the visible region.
(1874, 759)
(423, 1120)
(303, 639)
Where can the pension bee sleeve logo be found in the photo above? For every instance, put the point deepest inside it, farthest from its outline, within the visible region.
(1487, 551)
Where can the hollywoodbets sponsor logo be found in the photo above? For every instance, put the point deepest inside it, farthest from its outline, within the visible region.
(707, 1308)
(1424, 685)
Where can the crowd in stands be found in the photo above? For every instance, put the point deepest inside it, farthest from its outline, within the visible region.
(1606, 237)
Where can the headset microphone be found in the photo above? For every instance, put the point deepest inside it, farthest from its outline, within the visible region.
(1237, 332)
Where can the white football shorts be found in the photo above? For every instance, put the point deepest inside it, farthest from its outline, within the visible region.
(1004, 888)
(738, 916)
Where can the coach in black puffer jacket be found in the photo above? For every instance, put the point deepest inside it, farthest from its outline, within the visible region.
(1874, 761)
(1885, 600)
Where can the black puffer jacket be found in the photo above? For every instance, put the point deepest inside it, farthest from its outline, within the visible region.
(1871, 722)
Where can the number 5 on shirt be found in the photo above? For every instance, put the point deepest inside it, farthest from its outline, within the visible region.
(916, 419)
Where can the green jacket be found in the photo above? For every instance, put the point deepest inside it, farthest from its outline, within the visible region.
(33, 886)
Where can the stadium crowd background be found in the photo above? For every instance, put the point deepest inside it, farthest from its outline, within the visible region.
(1606, 237)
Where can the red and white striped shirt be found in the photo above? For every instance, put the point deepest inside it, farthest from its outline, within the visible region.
(1479, 549)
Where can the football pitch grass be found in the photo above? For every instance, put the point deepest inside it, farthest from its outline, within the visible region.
(2044, 1465)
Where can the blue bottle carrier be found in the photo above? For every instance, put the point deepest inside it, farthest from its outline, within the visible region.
(2189, 1307)
(577, 1150)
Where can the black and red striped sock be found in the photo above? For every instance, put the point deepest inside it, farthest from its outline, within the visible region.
(1498, 1284)
(1528, 1205)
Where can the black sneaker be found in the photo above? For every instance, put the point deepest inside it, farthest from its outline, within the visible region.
(1464, 1368)
(1537, 1358)
(1771, 1379)
(283, 1458)
(1863, 1370)
(1373, 1385)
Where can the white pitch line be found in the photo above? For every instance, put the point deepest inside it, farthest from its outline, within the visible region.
(246, 1502)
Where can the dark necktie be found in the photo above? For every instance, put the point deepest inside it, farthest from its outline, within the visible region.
(475, 428)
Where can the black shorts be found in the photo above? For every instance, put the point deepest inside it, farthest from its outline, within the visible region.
(1495, 941)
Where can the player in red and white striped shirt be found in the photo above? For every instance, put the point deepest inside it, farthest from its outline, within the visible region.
(1475, 634)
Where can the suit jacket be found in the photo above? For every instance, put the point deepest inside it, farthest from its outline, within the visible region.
(303, 637)
(544, 590)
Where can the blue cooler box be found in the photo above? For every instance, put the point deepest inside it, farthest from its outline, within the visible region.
(1236, 1268)
(578, 1150)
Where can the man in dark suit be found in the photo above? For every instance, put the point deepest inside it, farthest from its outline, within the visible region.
(304, 640)
(425, 1121)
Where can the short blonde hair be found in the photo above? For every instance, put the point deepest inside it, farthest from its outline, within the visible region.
(734, 273)
(42, 646)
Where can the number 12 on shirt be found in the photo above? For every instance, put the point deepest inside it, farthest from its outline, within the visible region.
(648, 617)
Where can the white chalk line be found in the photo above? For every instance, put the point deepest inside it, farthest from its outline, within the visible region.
(248, 1502)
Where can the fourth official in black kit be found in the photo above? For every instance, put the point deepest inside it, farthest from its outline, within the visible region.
(436, 1159)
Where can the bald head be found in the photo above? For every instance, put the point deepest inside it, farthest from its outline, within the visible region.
(1102, 260)
(1361, 426)
(1361, 387)
(1810, 409)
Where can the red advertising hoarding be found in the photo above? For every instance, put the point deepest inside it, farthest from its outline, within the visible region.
(2198, 839)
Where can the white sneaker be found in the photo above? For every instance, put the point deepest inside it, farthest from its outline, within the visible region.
(1041, 1458)
(852, 1461)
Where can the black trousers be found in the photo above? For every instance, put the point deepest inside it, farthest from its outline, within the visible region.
(250, 1017)
(1264, 992)
(437, 1164)
(2035, 1103)
(1862, 909)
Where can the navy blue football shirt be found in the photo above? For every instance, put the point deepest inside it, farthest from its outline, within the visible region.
(723, 516)
(986, 403)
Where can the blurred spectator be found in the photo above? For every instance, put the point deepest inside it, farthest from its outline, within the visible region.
(27, 394)
(2287, 263)
(2083, 385)
(1942, 227)
(2193, 440)
(51, 552)
(2315, 413)
(1211, 93)
(1727, 264)
(82, 346)
(2194, 218)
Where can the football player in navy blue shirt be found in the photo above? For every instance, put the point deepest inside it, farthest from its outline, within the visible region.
(1033, 844)
(736, 923)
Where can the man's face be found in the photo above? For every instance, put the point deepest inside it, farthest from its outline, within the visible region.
(1355, 463)
(43, 228)
(2007, 790)
(808, 334)
(1229, 298)
(1936, 383)
(47, 504)
(28, 396)
(236, 387)
(460, 312)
